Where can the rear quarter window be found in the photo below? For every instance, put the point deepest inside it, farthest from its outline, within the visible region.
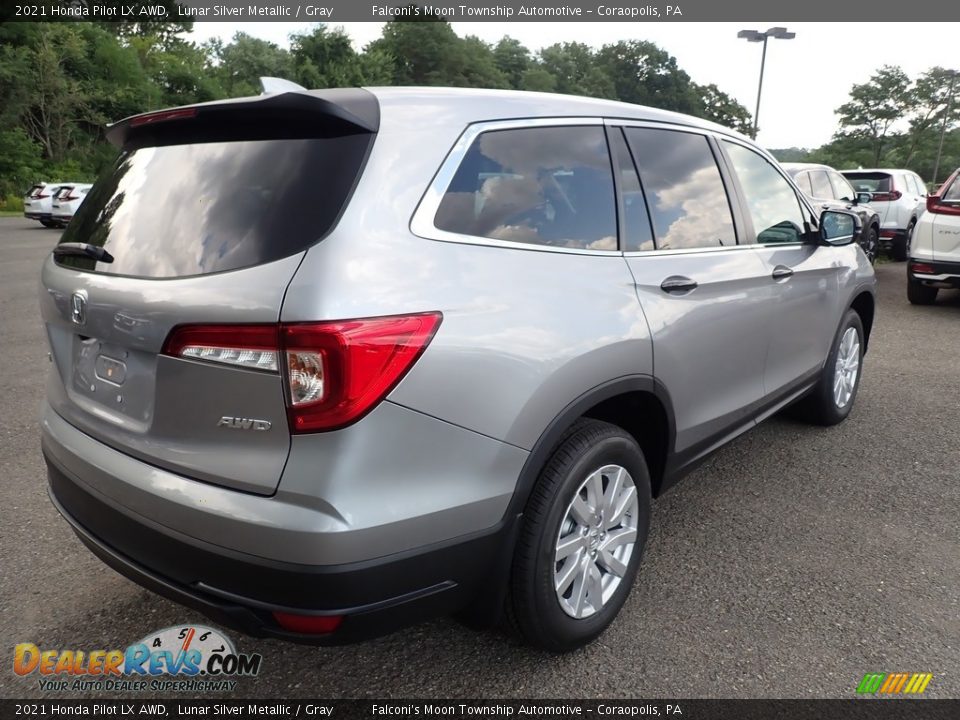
(549, 186)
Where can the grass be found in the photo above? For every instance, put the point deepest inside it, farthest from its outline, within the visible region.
(11, 213)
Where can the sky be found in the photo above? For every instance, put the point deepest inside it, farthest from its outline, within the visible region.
(805, 79)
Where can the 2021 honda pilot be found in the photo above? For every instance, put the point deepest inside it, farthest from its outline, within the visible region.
(326, 363)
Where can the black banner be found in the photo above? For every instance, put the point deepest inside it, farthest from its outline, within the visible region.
(474, 11)
(873, 709)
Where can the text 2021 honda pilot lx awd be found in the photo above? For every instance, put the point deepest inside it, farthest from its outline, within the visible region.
(326, 363)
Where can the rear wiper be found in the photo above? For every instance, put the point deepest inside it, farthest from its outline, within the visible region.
(83, 250)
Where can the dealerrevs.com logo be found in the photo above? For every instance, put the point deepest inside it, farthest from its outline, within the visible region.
(189, 658)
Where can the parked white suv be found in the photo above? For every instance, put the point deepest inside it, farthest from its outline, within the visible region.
(935, 249)
(67, 201)
(898, 197)
(37, 203)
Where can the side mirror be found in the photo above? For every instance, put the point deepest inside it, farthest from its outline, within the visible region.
(864, 197)
(839, 227)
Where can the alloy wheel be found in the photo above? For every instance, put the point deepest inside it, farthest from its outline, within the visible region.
(596, 541)
(847, 367)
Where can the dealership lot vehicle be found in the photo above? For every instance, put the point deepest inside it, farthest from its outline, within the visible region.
(721, 610)
(828, 189)
(37, 203)
(325, 440)
(67, 201)
(898, 196)
(935, 250)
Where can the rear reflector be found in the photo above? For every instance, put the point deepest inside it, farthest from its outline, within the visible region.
(888, 233)
(936, 205)
(308, 624)
(335, 372)
(922, 268)
(163, 116)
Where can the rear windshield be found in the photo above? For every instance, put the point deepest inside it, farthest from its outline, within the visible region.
(869, 182)
(35, 190)
(182, 210)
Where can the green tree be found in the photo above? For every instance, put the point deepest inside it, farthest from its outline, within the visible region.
(874, 107)
(575, 70)
(719, 107)
(513, 60)
(645, 74)
(241, 64)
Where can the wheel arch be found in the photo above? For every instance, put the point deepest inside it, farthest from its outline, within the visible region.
(638, 403)
(864, 304)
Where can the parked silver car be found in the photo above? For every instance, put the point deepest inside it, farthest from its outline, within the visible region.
(322, 369)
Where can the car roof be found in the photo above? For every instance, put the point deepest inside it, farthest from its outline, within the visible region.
(798, 166)
(878, 170)
(468, 105)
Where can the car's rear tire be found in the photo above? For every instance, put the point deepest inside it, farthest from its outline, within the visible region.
(900, 247)
(48, 224)
(581, 538)
(832, 399)
(920, 294)
(871, 244)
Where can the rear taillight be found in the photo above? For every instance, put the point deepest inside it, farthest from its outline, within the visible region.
(936, 205)
(335, 372)
(339, 371)
(886, 196)
(249, 346)
(70, 196)
(41, 196)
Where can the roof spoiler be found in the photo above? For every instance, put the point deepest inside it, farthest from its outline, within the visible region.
(276, 85)
(290, 112)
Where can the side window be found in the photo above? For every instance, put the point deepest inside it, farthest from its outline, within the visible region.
(921, 186)
(684, 190)
(821, 185)
(774, 206)
(842, 188)
(539, 185)
(803, 182)
(637, 231)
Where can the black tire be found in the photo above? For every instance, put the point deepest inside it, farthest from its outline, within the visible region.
(871, 244)
(820, 407)
(900, 245)
(919, 294)
(533, 606)
(48, 224)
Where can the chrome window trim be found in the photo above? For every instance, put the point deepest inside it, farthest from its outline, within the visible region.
(422, 223)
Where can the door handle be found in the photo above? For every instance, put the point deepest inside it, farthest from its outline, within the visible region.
(678, 284)
(782, 272)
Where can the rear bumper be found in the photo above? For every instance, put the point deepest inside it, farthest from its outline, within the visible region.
(241, 591)
(944, 275)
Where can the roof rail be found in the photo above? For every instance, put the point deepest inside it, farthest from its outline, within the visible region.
(275, 85)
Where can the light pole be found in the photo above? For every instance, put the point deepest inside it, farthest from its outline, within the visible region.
(943, 125)
(780, 33)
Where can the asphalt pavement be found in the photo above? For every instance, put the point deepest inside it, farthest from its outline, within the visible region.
(792, 563)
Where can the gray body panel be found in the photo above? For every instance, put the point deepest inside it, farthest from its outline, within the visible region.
(526, 330)
(168, 409)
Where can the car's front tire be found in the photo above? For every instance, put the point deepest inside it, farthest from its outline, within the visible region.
(834, 395)
(581, 540)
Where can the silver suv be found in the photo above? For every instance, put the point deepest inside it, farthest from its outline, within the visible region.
(327, 363)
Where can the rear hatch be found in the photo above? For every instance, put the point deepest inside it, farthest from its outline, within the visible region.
(881, 185)
(202, 220)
